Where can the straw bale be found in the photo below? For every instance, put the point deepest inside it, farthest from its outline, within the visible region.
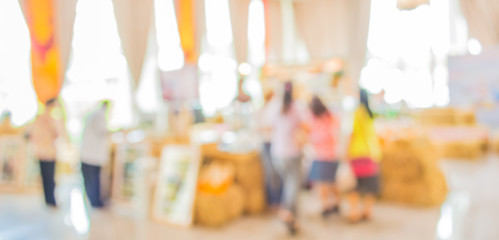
(469, 150)
(447, 117)
(216, 209)
(255, 201)
(410, 173)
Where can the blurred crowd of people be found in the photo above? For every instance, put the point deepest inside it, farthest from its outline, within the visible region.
(286, 128)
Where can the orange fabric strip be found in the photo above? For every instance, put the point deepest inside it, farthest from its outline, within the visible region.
(45, 57)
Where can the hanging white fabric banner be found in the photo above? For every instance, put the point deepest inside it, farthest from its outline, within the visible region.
(65, 13)
(335, 29)
(410, 4)
(239, 19)
(483, 20)
(134, 19)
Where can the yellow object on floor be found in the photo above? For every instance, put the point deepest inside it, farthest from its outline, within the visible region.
(410, 173)
(216, 209)
(248, 174)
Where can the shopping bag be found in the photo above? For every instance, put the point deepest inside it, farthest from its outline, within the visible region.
(346, 179)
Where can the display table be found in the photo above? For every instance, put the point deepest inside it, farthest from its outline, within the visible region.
(221, 180)
(446, 117)
(241, 192)
(248, 174)
(219, 199)
(460, 142)
(455, 132)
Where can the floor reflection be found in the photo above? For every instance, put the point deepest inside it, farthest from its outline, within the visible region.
(453, 212)
(78, 213)
(470, 212)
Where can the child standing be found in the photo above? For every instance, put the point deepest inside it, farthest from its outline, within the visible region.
(364, 154)
(324, 129)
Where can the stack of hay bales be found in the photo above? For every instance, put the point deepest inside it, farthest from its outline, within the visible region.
(410, 173)
(219, 200)
(248, 175)
(446, 117)
(460, 142)
(494, 142)
(465, 118)
(215, 210)
(455, 132)
(470, 150)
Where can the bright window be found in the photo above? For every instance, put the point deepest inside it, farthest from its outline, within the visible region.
(98, 69)
(17, 95)
(407, 52)
(256, 48)
(148, 95)
(218, 79)
(170, 55)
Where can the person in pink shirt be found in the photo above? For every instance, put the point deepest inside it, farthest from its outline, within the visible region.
(323, 134)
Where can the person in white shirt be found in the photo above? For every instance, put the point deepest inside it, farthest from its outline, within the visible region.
(94, 153)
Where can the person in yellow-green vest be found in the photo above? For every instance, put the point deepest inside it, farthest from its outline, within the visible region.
(364, 153)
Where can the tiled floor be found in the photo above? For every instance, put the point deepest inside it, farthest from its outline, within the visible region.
(471, 212)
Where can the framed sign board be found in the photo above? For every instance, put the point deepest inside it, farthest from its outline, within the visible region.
(126, 170)
(176, 186)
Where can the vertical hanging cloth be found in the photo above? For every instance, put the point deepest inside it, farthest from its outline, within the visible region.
(336, 28)
(239, 13)
(483, 20)
(410, 4)
(65, 15)
(273, 28)
(358, 15)
(134, 18)
(200, 25)
(50, 23)
(323, 25)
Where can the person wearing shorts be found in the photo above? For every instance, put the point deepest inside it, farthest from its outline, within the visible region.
(323, 133)
(364, 153)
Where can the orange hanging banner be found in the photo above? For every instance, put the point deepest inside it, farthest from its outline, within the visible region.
(45, 59)
(187, 28)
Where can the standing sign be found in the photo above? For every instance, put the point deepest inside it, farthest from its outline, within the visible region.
(176, 185)
(126, 170)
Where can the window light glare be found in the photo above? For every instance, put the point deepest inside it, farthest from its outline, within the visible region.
(474, 47)
(244, 69)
